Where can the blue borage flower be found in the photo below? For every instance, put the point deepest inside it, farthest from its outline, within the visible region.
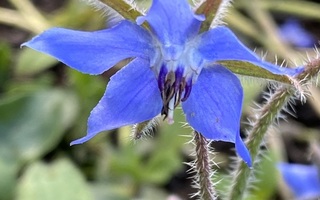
(303, 180)
(172, 63)
(291, 31)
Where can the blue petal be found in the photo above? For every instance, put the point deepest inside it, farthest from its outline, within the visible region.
(132, 96)
(94, 52)
(214, 107)
(172, 21)
(303, 180)
(220, 44)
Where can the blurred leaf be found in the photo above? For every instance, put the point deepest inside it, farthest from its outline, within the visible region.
(111, 191)
(266, 178)
(79, 15)
(43, 82)
(5, 54)
(154, 160)
(8, 171)
(33, 124)
(307, 9)
(89, 89)
(222, 183)
(262, 187)
(252, 87)
(118, 191)
(31, 62)
(166, 158)
(58, 180)
(154, 193)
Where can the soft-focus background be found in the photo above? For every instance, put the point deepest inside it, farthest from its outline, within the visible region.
(44, 105)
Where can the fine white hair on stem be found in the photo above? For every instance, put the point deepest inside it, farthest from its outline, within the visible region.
(197, 3)
(221, 13)
(145, 128)
(111, 15)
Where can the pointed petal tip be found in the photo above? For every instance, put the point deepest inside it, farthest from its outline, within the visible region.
(243, 151)
(81, 140)
(89, 136)
(200, 18)
(73, 143)
(140, 20)
(24, 44)
(94, 52)
(30, 42)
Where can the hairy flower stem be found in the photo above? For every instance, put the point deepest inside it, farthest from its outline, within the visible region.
(203, 168)
(264, 118)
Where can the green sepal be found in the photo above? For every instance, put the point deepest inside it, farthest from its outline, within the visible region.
(209, 9)
(248, 69)
(124, 9)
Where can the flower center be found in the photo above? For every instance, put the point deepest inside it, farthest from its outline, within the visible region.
(174, 87)
(177, 68)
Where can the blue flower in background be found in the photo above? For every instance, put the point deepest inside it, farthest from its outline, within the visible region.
(172, 63)
(303, 180)
(293, 32)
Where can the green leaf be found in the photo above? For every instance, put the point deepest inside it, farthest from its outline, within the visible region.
(248, 69)
(58, 180)
(31, 62)
(33, 124)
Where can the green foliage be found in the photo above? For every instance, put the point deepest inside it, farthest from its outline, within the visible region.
(58, 180)
(44, 106)
(31, 125)
(157, 161)
(268, 175)
(28, 65)
(5, 56)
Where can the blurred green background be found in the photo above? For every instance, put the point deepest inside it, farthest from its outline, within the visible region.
(44, 105)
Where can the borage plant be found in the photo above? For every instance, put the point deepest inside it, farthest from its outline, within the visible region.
(172, 62)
